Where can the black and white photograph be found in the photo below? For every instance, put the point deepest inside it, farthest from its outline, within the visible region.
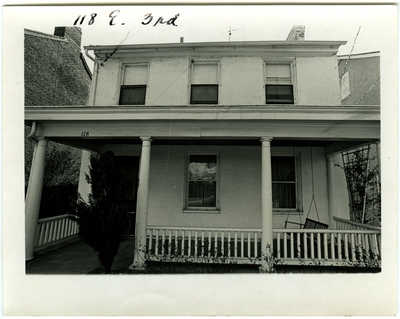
(200, 159)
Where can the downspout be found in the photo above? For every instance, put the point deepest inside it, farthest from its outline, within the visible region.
(33, 131)
(94, 80)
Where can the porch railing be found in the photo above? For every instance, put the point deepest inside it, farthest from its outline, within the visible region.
(223, 245)
(54, 230)
(348, 224)
(327, 247)
(323, 247)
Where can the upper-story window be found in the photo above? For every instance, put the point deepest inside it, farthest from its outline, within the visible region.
(204, 83)
(134, 84)
(279, 83)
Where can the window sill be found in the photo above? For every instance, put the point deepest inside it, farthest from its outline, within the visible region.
(286, 212)
(201, 211)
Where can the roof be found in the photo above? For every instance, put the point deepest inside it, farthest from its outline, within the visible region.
(304, 47)
(360, 55)
(44, 35)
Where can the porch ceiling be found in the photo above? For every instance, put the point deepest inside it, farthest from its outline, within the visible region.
(331, 146)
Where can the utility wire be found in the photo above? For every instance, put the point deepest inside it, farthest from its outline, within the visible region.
(351, 51)
(119, 45)
(365, 94)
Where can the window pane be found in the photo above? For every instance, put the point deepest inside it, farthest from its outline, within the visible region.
(204, 94)
(203, 168)
(284, 195)
(202, 181)
(279, 94)
(283, 168)
(135, 75)
(279, 81)
(132, 95)
(205, 73)
(202, 194)
(278, 70)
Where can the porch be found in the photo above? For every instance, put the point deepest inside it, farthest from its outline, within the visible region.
(350, 247)
(351, 244)
(245, 139)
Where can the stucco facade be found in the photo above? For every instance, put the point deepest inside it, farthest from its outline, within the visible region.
(241, 79)
(264, 139)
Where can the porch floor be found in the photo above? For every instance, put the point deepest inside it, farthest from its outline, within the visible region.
(78, 258)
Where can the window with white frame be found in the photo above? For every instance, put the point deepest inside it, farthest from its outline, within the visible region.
(204, 83)
(134, 84)
(284, 182)
(202, 181)
(279, 83)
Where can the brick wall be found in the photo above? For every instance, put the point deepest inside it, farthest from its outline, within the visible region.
(364, 80)
(55, 73)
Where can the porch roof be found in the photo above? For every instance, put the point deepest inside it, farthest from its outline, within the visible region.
(90, 127)
(369, 113)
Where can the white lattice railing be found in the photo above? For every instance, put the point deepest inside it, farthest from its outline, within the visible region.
(328, 246)
(203, 244)
(348, 224)
(54, 230)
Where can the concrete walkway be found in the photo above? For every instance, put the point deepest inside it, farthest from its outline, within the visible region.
(78, 258)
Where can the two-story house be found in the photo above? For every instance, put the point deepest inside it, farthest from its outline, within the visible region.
(224, 142)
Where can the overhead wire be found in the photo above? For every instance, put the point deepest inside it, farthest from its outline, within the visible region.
(351, 51)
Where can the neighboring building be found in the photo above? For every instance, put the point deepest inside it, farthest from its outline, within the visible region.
(55, 74)
(361, 84)
(227, 142)
(359, 76)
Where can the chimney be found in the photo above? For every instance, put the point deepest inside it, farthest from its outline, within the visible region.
(297, 33)
(73, 33)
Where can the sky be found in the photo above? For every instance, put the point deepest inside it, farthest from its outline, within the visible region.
(211, 23)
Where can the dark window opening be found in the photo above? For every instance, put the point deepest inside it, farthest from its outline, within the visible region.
(279, 94)
(283, 182)
(204, 94)
(132, 95)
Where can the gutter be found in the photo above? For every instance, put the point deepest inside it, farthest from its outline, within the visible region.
(87, 54)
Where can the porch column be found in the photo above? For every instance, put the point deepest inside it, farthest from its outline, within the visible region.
(266, 202)
(142, 204)
(331, 203)
(34, 195)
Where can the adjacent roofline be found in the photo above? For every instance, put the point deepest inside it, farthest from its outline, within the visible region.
(44, 35)
(360, 55)
(85, 65)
